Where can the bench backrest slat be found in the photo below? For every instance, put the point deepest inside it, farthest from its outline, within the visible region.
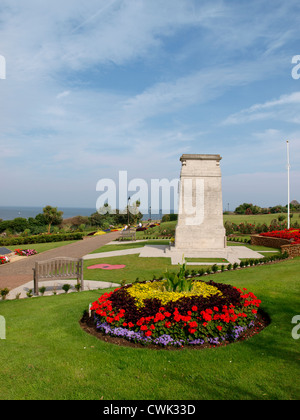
(58, 268)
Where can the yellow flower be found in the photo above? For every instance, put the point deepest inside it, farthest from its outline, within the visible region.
(156, 289)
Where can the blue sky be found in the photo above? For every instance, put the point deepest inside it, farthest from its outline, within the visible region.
(94, 88)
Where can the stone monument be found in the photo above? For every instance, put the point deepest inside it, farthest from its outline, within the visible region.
(200, 216)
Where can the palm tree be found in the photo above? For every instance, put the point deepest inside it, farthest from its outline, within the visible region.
(52, 215)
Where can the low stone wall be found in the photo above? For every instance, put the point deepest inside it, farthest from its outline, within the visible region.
(269, 241)
(283, 244)
(292, 250)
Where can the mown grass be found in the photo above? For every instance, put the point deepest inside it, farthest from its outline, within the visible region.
(121, 245)
(46, 355)
(136, 267)
(258, 218)
(212, 260)
(42, 247)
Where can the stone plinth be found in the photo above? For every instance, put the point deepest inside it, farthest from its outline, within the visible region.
(200, 219)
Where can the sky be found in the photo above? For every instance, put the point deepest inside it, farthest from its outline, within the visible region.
(94, 88)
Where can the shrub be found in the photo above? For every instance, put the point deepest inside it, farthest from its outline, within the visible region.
(41, 239)
(66, 287)
(4, 292)
(214, 268)
(29, 293)
(42, 290)
(77, 286)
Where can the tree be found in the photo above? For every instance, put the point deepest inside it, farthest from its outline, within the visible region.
(248, 208)
(52, 216)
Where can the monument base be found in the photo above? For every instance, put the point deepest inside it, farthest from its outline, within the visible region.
(198, 239)
(232, 254)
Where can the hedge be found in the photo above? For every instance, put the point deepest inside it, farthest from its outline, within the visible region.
(37, 239)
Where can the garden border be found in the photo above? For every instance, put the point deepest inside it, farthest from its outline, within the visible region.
(285, 245)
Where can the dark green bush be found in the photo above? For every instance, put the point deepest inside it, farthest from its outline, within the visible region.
(37, 239)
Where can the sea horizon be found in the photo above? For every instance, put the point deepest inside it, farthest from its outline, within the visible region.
(12, 212)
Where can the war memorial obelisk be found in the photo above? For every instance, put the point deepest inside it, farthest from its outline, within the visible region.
(200, 213)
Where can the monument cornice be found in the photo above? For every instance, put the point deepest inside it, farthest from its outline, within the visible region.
(200, 157)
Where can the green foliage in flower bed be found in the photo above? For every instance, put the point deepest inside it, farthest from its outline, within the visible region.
(20, 240)
(209, 313)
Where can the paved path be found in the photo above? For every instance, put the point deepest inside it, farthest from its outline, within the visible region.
(15, 274)
(56, 286)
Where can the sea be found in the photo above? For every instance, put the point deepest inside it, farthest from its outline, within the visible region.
(10, 213)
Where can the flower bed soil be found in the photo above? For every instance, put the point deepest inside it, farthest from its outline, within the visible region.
(88, 325)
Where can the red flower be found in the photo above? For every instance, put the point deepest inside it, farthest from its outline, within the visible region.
(194, 308)
(219, 327)
(148, 333)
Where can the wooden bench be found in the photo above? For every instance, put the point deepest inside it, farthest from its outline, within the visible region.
(126, 234)
(58, 269)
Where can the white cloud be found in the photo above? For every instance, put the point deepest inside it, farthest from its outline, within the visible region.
(287, 108)
(58, 114)
(63, 94)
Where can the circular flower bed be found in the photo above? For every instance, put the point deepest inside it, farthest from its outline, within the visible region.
(209, 314)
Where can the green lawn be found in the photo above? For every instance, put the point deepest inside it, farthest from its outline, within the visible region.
(144, 268)
(121, 245)
(46, 355)
(212, 260)
(42, 247)
(136, 267)
(257, 218)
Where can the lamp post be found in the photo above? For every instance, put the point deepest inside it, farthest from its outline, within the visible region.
(128, 211)
(288, 171)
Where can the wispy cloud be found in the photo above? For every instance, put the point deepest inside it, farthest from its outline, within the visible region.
(95, 86)
(287, 108)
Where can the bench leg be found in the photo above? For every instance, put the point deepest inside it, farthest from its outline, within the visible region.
(81, 275)
(35, 283)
